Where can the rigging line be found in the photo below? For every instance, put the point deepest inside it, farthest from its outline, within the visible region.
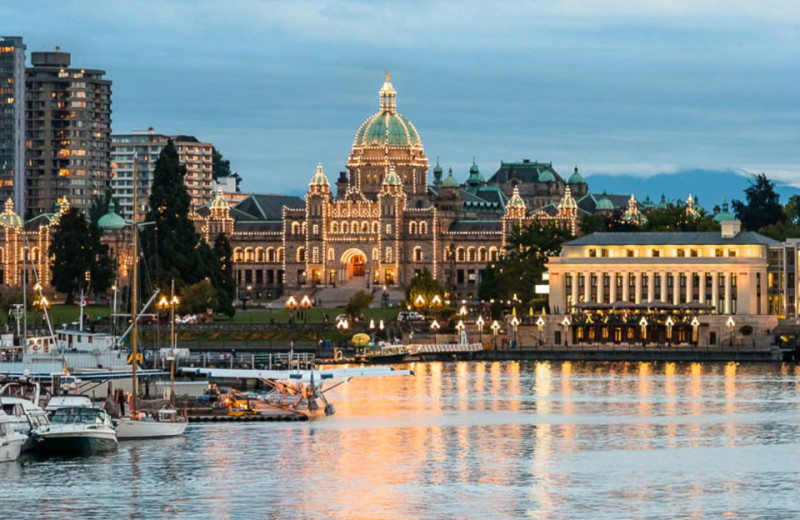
(39, 288)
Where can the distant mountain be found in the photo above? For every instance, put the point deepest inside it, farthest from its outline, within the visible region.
(710, 187)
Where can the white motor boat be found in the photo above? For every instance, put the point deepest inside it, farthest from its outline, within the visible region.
(165, 423)
(11, 440)
(77, 431)
(18, 400)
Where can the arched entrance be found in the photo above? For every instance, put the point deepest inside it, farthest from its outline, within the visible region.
(355, 261)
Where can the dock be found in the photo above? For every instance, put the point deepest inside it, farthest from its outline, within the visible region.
(282, 417)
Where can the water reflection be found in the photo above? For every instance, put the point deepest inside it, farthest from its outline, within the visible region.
(467, 440)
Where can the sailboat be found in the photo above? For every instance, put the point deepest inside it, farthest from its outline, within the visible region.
(140, 425)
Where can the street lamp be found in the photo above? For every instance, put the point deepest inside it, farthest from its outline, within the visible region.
(566, 324)
(170, 304)
(291, 304)
(460, 328)
(515, 324)
(643, 325)
(463, 310)
(305, 304)
(342, 325)
(695, 325)
(730, 324)
(495, 329)
(669, 323)
(435, 327)
(540, 326)
(479, 322)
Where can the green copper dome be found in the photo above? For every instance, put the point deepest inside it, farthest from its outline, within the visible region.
(576, 178)
(725, 215)
(475, 176)
(547, 176)
(111, 220)
(450, 181)
(387, 127)
(604, 204)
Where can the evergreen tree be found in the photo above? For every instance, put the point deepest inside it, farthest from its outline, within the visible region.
(170, 245)
(762, 207)
(221, 167)
(223, 281)
(521, 269)
(99, 206)
(674, 217)
(423, 284)
(79, 259)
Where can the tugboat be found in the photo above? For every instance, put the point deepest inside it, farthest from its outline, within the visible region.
(77, 431)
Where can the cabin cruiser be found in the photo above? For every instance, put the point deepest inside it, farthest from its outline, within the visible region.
(19, 401)
(67, 401)
(11, 439)
(76, 431)
(164, 423)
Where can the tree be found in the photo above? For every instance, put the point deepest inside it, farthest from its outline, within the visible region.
(80, 261)
(221, 167)
(423, 284)
(223, 280)
(171, 245)
(674, 216)
(592, 224)
(357, 303)
(762, 207)
(199, 297)
(521, 269)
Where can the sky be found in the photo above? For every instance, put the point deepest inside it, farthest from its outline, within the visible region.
(616, 87)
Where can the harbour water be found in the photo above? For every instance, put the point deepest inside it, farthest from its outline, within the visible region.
(466, 440)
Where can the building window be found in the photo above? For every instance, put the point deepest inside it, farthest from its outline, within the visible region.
(694, 253)
(334, 227)
(301, 254)
(412, 228)
(423, 228)
(604, 253)
(472, 255)
(718, 252)
(418, 254)
(629, 253)
(295, 228)
(345, 227)
(681, 253)
(655, 253)
(592, 253)
(388, 229)
(315, 255)
(731, 252)
(315, 229)
(388, 254)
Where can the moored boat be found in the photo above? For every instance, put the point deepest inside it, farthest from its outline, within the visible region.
(77, 431)
(11, 439)
(165, 423)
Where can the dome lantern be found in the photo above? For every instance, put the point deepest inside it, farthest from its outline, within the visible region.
(111, 221)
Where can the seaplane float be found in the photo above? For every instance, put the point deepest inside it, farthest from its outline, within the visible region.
(298, 390)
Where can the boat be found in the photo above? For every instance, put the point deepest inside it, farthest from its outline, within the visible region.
(381, 353)
(19, 402)
(11, 439)
(67, 401)
(166, 422)
(77, 431)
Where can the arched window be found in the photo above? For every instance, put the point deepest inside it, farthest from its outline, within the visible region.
(472, 255)
(388, 229)
(493, 254)
(331, 255)
(388, 254)
(354, 227)
(460, 254)
(345, 227)
(248, 254)
(315, 229)
(376, 255)
(418, 254)
(238, 256)
(365, 227)
(301, 254)
(295, 228)
(334, 227)
(482, 254)
(315, 255)
(270, 254)
(376, 228)
(260, 254)
(281, 253)
(423, 228)
(35, 254)
(412, 228)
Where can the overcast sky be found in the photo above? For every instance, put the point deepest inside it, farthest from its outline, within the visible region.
(614, 86)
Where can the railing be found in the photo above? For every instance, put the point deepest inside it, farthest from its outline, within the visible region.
(444, 348)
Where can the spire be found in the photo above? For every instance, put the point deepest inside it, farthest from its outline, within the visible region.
(437, 173)
(516, 206)
(319, 178)
(567, 202)
(388, 97)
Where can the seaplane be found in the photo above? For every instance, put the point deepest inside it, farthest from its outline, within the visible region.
(298, 390)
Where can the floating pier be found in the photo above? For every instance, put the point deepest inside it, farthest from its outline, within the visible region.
(283, 417)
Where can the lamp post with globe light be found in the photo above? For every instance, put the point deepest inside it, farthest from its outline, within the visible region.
(170, 304)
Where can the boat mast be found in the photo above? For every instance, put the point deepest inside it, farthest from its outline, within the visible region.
(172, 342)
(135, 287)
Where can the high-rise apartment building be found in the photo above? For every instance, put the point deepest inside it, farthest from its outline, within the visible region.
(12, 121)
(68, 133)
(147, 145)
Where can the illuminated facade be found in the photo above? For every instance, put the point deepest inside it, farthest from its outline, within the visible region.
(383, 224)
(68, 133)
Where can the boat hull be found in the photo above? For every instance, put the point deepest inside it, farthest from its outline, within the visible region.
(128, 429)
(11, 448)
(71, 444)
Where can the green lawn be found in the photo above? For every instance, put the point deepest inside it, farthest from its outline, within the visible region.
(281, 315)
(68, 313)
